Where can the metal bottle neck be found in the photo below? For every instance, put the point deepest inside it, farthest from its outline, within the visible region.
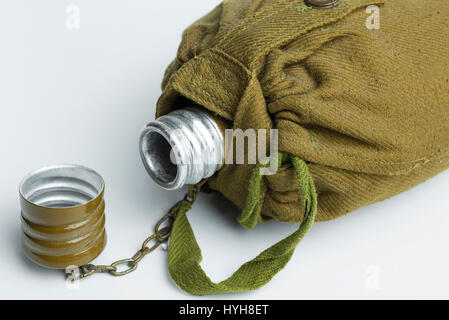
(182, 148)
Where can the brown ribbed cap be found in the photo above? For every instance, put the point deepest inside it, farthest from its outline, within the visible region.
(63, 219)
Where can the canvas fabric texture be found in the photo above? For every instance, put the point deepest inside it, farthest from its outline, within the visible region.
(367, 110)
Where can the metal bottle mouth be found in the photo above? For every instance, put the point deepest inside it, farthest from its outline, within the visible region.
(182, 148)
(157, 153)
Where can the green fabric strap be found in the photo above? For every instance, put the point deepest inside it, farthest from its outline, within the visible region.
(184, 255)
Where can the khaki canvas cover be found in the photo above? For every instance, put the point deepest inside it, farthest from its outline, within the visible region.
(366, 109)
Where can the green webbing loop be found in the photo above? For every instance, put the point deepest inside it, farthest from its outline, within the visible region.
(184, 255)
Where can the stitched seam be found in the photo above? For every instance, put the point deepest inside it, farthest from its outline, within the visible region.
(198, 88)
(193, 84)
(250, 22)
(255, 22)
(197, 85)
(195, 97)
(230, 59)
(277, 42)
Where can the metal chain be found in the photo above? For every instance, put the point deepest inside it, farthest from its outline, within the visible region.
(160, 236)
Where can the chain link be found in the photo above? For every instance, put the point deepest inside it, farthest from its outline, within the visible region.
(160, 236)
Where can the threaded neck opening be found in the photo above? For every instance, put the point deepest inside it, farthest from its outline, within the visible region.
(182, 148)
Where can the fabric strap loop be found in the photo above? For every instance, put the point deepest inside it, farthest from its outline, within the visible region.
(184, 255)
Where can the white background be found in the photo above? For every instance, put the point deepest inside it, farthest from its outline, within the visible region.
(82, 96)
